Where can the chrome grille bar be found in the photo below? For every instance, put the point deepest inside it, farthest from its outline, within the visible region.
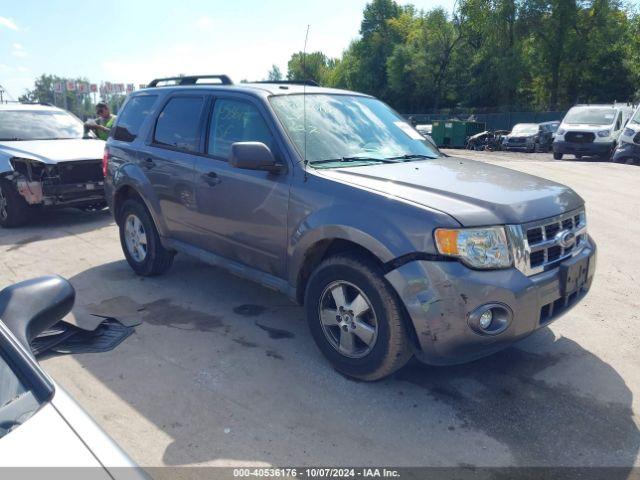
(545, 251)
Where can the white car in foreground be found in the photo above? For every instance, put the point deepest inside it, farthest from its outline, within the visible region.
(40, 424)
(46, 160)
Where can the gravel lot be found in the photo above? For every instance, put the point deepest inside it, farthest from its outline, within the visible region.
(205, 380)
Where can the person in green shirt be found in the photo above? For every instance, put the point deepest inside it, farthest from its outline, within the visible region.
(101, 126)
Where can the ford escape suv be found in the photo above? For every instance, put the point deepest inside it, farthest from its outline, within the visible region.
(334, 199)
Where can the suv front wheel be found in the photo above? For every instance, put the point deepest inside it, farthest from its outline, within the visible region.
(140, 241)
(356, 318)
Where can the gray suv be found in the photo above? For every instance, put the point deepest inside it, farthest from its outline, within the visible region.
(331, 197)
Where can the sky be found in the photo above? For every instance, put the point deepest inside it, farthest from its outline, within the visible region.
(135, 41)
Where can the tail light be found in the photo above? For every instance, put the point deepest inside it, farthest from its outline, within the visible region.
(105, 162)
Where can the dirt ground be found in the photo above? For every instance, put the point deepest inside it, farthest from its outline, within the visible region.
(206, 380)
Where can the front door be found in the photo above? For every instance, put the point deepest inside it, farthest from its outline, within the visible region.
(244, 212)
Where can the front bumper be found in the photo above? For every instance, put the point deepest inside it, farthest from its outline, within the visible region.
(76, 194)
(591, 149)
(626, 151)
(439, 296)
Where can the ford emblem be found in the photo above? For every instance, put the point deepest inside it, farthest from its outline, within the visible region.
(566, 238)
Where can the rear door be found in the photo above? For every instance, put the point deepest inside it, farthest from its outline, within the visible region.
(243, 213)
(168, 159)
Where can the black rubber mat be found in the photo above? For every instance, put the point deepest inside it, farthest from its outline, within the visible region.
(65, 338)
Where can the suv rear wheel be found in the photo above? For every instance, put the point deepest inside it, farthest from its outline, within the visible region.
(557, 156)
(14, 210)
(140, 241)
(356, 319)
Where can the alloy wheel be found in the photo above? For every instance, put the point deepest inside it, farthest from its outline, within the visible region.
(135, 238)
(348, 319)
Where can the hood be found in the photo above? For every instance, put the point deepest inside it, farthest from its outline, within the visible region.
(584, 127)
(474, 193)
(54, 151)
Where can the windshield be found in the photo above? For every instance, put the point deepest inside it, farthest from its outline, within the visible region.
(525, 128)
(38, 125)
(590, 115)
(349, 128)
(636, 116)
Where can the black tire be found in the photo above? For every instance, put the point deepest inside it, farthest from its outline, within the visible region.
(391, 348)
(14, 209)
(157, 259)
(557, 156)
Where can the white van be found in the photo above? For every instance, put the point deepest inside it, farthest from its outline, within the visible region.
(591, 130)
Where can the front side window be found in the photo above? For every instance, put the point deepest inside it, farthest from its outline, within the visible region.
(130, 119)
(236, 121)
(19, 125)
(178, 125)
(590, 116)
(330, 129)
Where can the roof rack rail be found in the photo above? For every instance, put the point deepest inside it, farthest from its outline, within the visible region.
(309, 83)
(191, 80)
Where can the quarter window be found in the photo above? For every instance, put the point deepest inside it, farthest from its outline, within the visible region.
(178, 125)
(236, 121)
(135, 112)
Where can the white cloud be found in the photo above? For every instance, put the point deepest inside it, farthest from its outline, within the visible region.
(7, 22)
(204, 22)
(18, 50)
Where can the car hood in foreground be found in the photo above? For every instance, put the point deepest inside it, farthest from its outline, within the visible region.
(474, 193)
(54, 151)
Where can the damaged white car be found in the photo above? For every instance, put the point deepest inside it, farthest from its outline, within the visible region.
(46, 160)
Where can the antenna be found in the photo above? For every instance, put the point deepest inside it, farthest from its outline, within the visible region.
(304, 100)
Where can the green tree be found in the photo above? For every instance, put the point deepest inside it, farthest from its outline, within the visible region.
(274, 74)
(310, 66)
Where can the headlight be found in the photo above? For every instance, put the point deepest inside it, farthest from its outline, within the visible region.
(628, 132)
(604, 133)
(485, 247)
(561, 131)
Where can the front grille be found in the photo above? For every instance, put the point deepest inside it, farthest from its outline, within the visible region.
(541, 246)
(580, 137)
(80, 171)
(517, 140)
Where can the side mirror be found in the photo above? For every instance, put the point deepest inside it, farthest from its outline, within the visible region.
(253, 156)
(31, 307)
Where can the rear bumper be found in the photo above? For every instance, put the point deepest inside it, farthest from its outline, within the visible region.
(583, 149)
(439, 296)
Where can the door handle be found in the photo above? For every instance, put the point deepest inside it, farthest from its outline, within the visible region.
(211, 178)
(149, 163)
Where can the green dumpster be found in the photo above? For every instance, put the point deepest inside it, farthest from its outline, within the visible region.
(454, 133)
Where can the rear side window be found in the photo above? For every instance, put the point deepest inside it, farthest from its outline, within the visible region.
(236, 121)
(131, 118)
(178, 125)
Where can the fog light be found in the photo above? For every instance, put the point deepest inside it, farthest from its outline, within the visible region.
(485, 319)
(490, 319)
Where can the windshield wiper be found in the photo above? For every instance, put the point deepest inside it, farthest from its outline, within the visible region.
(412, 156)
(354, 159)
(12, 139)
